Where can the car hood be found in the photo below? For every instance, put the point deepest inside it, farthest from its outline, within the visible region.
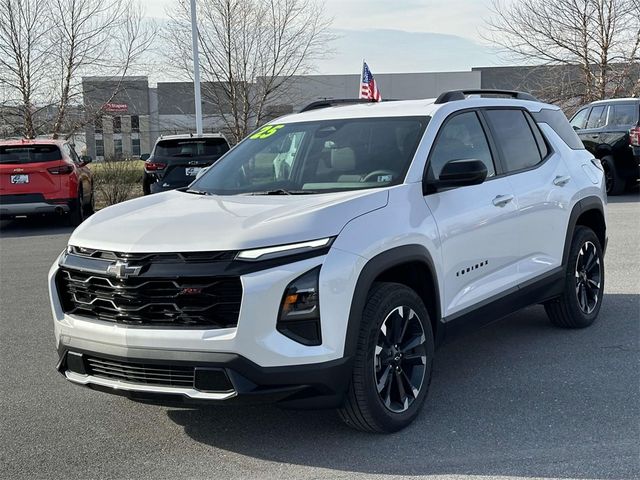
(181, 222)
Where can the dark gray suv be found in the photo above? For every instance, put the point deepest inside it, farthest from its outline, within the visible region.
(177, 159)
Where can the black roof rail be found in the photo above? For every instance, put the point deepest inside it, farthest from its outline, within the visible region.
(332, 102)
(462, 95)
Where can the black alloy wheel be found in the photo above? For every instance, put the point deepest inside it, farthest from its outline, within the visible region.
(579, 304)
(400, 359)
(393, 360)
(588, 273)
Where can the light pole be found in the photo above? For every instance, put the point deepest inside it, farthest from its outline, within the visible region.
(196, 68)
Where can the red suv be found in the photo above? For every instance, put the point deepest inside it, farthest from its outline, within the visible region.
(44, 176)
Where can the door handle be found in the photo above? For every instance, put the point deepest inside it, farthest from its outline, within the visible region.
(593, 136)
(502, 200)
(561, 180)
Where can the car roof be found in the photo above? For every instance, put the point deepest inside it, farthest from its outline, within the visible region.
(31, 141)
(189, 136)
(404, 108)
(616, 100)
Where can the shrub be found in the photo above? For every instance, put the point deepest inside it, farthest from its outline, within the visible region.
(116, 180)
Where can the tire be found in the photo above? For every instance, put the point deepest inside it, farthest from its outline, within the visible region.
(146, 185)
(580, 303)
(76, 212)
(405, 369)
(614, 182)
(90, 208)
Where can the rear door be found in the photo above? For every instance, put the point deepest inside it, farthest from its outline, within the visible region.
(185, 158)
(590, 134)
(476, 224)
(542, 187)
(23, 169)
(622, 118)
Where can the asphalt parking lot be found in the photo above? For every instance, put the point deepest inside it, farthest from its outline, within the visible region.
(516, 399)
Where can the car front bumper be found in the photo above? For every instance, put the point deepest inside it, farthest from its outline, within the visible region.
(320, 385)
(258, 360)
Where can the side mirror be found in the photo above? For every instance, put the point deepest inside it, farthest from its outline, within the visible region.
(575, 128)
(85, 159)
(459, 173)
(144, 156)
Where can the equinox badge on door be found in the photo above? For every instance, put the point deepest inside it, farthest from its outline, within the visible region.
(122, 269)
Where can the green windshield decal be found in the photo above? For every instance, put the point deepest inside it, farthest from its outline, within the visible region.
(266, 131)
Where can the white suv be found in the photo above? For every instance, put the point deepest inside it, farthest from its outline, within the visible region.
(321, 260)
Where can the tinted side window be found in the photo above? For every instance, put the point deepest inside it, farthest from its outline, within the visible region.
(579, 120)
(597, 117)
(515, 138)
(556, 120)
(462, 137)
(622, 115)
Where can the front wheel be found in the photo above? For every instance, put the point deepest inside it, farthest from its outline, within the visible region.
(393, 361)
(580, 303)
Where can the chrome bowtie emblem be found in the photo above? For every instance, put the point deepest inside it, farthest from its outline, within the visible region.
(122, 269)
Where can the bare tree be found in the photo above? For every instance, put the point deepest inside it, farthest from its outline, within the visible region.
(250, 50)
(46, 46)
(598, 41)
(105, 36)
(24, 47)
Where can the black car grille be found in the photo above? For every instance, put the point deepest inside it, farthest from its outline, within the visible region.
(196, 302)
(184, 257)
(165, 375)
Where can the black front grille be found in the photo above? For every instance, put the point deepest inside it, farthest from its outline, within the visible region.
(140, 373)
(183, 257)
(197, 302)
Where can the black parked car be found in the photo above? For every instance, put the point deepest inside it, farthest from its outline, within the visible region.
(177, 159)
(610, 129)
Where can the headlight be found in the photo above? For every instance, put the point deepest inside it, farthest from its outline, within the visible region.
(284, 250)
(299, 317)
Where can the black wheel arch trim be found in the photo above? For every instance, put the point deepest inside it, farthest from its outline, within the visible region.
(373, 269)
(582, 206)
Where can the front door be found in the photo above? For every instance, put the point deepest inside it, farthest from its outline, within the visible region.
(476, 223)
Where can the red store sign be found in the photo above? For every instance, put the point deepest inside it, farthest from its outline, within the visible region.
(115, 107)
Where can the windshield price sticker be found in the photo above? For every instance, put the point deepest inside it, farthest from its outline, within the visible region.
(266, 132)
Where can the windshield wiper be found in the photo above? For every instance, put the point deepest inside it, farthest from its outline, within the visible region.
(282, 191)
(197, 192)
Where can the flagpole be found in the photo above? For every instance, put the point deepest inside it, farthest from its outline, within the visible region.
(360, 79)
(196, 69)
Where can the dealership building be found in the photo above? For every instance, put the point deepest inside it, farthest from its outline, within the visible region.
(127, 123)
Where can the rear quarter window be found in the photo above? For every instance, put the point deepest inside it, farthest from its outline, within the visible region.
(559, 123)
(623, 114)
(21, 154)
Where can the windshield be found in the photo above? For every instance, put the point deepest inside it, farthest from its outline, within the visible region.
(29, 154)
(203, 147)
(321, 156)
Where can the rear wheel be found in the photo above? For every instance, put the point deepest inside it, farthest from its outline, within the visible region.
(90, 207)
(614, 182)
(393, 362)
(580, 303)
(76, 212)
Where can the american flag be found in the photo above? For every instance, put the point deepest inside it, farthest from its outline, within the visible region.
(368, 86)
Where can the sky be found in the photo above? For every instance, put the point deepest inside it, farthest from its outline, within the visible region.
(397, 36)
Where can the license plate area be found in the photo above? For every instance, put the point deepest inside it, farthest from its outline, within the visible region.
(192, 171)
(20, 179)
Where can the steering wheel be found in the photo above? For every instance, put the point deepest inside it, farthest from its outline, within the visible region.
(376, 173)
